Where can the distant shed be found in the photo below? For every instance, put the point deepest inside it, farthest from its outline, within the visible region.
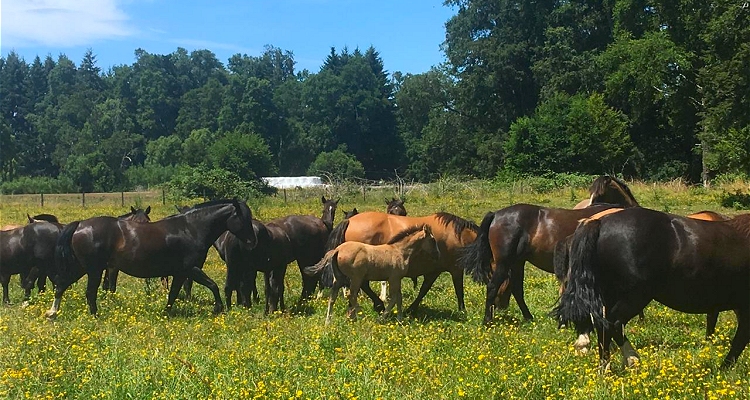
(291, 182)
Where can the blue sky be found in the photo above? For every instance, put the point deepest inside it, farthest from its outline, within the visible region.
(407, 33)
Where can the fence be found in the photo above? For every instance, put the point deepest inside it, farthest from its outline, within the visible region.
(86, 199)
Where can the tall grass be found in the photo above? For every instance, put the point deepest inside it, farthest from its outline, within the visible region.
(134, 350)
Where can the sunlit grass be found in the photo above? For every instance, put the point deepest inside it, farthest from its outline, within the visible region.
(133, 350)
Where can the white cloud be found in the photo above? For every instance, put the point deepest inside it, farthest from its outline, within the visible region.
(62, 23)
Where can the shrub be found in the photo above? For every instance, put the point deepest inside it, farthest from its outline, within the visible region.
(337, 165)
(213, 183)
(38, 184)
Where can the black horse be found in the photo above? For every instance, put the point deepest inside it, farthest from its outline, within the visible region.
(280, 241)
(29, 251)
(174, 246)
(511, 236)
(109, 281)
(619, 263)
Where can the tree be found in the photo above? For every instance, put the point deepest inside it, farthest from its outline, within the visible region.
(244, 154)
(337, 165)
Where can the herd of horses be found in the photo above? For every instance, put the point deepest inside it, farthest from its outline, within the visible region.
(611, 257)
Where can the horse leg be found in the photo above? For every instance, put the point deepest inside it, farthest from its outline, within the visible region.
(458, 286)
(201, 278)
(516, 287)
(60, 287)
(377, 303)
(95, 278)
(630, 357)
(711, 319)
(174, 290)
(741, 337)
(188, 286)
(604, 339)
(498, 277)
(26, 284)
(5, 280)
(114, 273)
(383, 291)
(309, 283)
(331, 300)
(396, 297)
(429, 279)
(354, 287)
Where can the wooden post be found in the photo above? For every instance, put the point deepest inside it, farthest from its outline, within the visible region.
(284, 196)
(83, 199)
(42, 200)
(163, 197)
(122, 199)
(363, 193)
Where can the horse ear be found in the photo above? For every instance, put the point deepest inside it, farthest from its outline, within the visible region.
(148, 210)
(323, 199)
(29, 217)
(337, 201)
(355, 210)
(386, 201)
(132, 209)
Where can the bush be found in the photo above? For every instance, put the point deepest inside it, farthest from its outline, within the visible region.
(214, 183)
(38, 184)
(147, 176)
(544, 183)
(736, 200)
(337, 165)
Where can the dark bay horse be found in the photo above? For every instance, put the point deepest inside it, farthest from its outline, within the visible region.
(511, 236)
(608, 190)
(109, 281)
(395, 206)
(620, 263)
(174, 246)
(355, 263)
(280, 241)
(450, 231)
(29, 251)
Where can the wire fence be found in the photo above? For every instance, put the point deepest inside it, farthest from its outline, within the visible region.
(86, 199)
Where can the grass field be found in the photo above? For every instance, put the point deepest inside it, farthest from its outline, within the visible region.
(133, 350)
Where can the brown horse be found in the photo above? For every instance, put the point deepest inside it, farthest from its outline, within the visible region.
(109, 282)
(608, 190)
(174, 246)
(450, 231)
(355, 263)
(620, 263)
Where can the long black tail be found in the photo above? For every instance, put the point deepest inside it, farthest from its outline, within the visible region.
(65, 259)
(323, 267)
(581, 301)
(561, 259)
(476, 257)
(336, 237)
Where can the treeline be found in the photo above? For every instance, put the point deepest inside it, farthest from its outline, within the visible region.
(647, 89)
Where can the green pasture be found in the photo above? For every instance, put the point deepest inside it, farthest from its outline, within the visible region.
(134, 350)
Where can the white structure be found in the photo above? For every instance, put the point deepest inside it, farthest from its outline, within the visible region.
(291, 182)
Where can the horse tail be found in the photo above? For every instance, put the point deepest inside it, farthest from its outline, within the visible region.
(322, 267)
(475, 258)
(336, 237)
(65, 258)
(581, 301)
(561, 258)
(337, 274)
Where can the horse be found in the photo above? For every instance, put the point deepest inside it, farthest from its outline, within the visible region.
(395, 206)
(609, 190)
(355, 263)
(620, 263)
(450, 231)
(29, 251)
(174, 246)
(109, 282)
(37, 218)
(349, 214)
(280, 241)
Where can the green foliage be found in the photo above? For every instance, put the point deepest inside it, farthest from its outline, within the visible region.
(38, 184)
(245, 154)
(737, 200)
(213, 183)
(337, 165)
(148, 176)
(569, 133)
(545, 183)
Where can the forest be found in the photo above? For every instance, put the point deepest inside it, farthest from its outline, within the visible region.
(645, 89)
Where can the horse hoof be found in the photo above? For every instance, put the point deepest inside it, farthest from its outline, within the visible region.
(51, 315)
(632, 361)
(218, 309)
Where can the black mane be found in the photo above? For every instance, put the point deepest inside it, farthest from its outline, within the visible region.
(406, 232)
(459, 224)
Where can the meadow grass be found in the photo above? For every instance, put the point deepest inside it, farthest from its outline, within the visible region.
(134, 350)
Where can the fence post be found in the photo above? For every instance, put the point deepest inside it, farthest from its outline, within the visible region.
(163, 197)
(42, 200)
(122, 199)
(83, 199)
(284, 196)
(363, 193)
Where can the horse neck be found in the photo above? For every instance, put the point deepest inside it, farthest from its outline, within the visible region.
(211, 221)
(408, 246)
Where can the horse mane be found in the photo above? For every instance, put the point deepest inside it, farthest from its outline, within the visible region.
(216, 202)
(741, 223)
(406, 232)
(459, 224)
(599, 187)
(46, 217)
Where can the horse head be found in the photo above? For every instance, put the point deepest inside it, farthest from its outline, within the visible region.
(240, 223)
(395, 206)
(329, 211)
(349, 214)
(137, 215)
(608, 189)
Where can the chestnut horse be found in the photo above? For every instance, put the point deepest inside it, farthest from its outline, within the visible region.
(174, 246)
(355, 263)
(620, 263)
(451, 232)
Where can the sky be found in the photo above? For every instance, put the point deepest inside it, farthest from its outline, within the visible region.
(406, 33)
